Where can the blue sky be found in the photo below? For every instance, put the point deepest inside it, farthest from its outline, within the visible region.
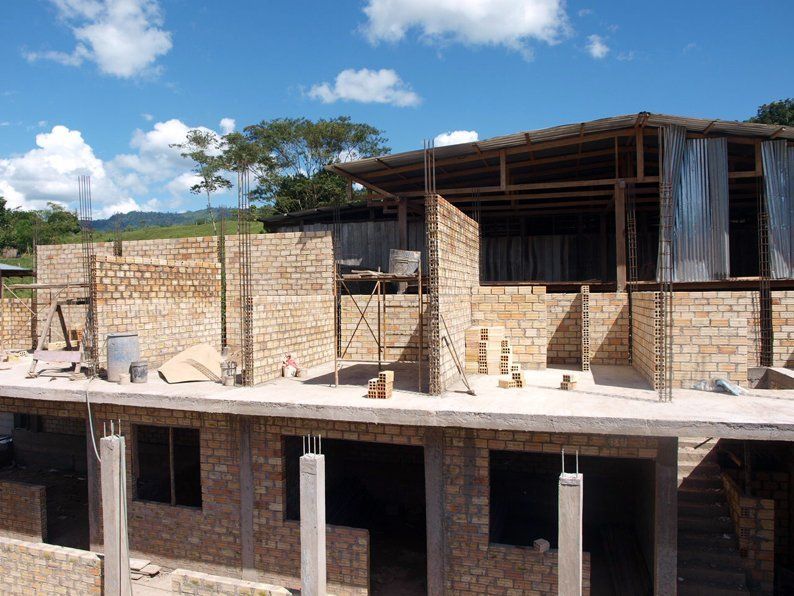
(103, 86)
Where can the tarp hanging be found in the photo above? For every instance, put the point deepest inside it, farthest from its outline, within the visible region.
(778, 162)
(700, 231)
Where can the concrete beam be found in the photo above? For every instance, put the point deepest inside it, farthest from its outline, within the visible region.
(312, 500)
(569, 538)
(434, 512)
(665, 535)
(114, 515)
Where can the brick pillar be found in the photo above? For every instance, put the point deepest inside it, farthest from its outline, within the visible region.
(569, 538)
(585, 320)
(312, 503)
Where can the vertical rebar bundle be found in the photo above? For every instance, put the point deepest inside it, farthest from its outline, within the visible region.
(222, 262)
(246, 296)
(765, 356)
(118, 248)
(631, 236)
(90, 339)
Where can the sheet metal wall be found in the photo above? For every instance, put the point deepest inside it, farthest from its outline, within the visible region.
(778, 163)
(700, 232)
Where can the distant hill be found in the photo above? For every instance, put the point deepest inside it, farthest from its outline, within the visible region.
(135, 220)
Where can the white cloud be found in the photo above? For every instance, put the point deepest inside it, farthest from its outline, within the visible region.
(597, 47)
(227, 125)
(456, 136)
(49, 172)
(509, 23)
(123, 37)
(126, 182)
(627, 56)
(583, 12)
(147, 117)
(367, 86)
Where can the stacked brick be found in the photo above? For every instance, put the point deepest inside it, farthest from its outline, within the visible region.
(23, 511)
(521, 310)
(585, 326)
(382, 386)
(453, 257)
(568, 383)
(516, 379)
(26, 567)
(486, 349)
(754, 520)
(172, 306)
(17, 325)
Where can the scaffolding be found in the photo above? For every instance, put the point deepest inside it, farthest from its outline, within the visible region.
(379, 281)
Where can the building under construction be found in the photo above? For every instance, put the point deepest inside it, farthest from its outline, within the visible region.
(558, 361)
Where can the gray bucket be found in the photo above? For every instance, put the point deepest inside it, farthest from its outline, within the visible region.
(139, 371)
(123, 350)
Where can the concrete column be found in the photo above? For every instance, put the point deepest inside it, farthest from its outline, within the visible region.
(246, 501)
(114, 516)
(569, 537)
(94, 492)
(312, 499)
(665, 523)
(434, 512)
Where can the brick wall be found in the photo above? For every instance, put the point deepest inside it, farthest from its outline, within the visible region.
(23, 511)
(171, 306)
(27, 568)
(521, 310)
(473, 564)
(453, 246)
(645, 339)
(300, 325)
(203, 248)
(609, 328)
(62, 425)
(17, 325)
(400, 325)
(754, 520)
(564, 328)
(776, 486)
(783, 328)
(196, 583)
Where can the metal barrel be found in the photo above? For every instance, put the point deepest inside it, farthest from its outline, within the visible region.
(139, 371)
(123, 350)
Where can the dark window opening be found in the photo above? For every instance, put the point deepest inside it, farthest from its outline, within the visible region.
(378, 487)
(617, 523)
(168, 465)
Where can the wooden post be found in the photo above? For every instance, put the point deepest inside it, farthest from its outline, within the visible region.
(620, 234)
(402, 223)
(640, 142)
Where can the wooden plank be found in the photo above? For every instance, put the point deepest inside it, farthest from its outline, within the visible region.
(620, 235)
(57, 356)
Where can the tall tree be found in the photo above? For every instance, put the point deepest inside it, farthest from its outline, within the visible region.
(206, 150)
(776, 112)
(300, 149)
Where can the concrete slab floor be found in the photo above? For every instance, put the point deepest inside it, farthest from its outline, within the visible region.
(608, 400)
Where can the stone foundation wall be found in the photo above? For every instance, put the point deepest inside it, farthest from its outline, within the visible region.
(171, 305)
(27, 567)
(453, 247)
(754, 520)
(23, 511)
(400, 325)
(17, 324)
(521, 310)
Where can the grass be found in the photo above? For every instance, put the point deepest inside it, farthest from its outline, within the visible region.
(157, 232)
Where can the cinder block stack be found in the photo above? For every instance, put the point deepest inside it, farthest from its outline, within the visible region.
(488, 352)
(568, 383)
(516, 380)
(381, 387)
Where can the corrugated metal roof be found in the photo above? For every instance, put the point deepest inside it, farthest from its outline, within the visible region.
(697, 125)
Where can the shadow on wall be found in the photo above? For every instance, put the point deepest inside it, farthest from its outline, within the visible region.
(565, 340)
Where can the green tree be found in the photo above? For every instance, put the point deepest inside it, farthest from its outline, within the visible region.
(776, 112)
(205, 149)
(299, 149)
